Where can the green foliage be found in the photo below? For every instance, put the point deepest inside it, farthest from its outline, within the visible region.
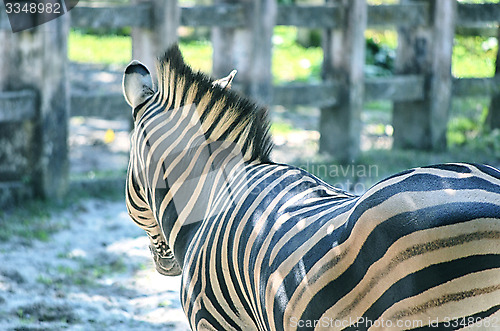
(472, 134)
(291, 61)
(467, 128)
(461, 129)
(488, 142)
(474, 56)
(379, 58)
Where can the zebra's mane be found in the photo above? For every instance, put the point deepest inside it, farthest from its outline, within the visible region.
(224, 114)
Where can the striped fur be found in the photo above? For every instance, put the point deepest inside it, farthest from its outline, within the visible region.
(264, 246)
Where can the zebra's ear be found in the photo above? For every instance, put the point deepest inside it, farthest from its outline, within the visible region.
(137, 83)
(225, 83)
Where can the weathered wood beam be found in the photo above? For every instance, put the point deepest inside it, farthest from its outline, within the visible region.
(138, 15)
(316, 95)
(17, 106)
(426, 51)
(344, 58)
(220, 15)
(110, 106)
(234, 15)
(477, 14)
(395, 88)
(247, 48)
(150, 41)
(36, 151)
(476, 87)
(408, 14)
(309, 16)
(327, 16)
(483, 31)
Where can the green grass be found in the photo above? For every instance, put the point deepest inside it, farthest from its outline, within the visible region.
(32, 221)
(290, 61)
(472, 56)
(106, 49)
(35, 220)
(198, 54)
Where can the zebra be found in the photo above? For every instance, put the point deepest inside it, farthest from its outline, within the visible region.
(268, 246)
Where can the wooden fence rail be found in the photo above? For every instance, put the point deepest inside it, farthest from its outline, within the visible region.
(233, 15)
(421, 88)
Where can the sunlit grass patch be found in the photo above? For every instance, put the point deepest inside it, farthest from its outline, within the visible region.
(106, 49)
(198, 54)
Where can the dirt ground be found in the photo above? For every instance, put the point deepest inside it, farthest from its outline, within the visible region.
(94, 274)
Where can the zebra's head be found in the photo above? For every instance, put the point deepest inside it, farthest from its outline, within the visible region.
(222, 113)
(138, 84)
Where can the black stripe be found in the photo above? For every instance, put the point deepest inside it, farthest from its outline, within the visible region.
(383, 236)
(458, 168)
(460, 323)
(488, 170)
(432, 276)
(133, 204)
(230, 276)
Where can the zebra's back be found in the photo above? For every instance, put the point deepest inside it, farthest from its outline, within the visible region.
(289, 252)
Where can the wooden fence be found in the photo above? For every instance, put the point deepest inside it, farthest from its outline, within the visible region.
(36, 101)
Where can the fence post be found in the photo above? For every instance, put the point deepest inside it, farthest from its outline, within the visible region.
(494, 111)
(148, 43)
(426, 51)
(223, 61)
(344, 59)
(37, 59)
(248, 49)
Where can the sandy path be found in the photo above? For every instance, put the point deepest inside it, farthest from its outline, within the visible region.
(94, 274)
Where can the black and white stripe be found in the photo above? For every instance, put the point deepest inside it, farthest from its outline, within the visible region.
(265, 246)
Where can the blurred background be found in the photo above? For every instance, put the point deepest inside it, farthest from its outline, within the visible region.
(297, 56)
(301, 82)
(357, 91)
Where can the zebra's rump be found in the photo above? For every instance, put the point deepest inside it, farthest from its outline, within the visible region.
(421, 248)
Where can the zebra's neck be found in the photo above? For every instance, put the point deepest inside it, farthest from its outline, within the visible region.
(190, 135)
(185, 182)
